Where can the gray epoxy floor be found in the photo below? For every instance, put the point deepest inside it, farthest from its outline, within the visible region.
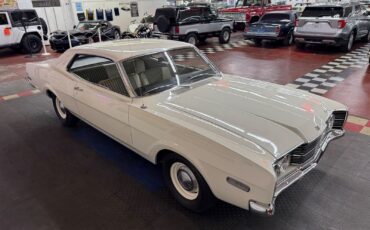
(53, 177)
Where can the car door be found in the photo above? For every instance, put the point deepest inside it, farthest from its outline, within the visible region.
(7, 35)
(101, 96)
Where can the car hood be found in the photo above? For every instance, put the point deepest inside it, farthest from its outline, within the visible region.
(276, 118)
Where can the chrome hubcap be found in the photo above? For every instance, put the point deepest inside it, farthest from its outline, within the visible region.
(192, 40)
(116, 35)
(226, 35)
(61, 109)
(184, 181)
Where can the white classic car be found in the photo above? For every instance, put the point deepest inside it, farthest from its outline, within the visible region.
(217, 136)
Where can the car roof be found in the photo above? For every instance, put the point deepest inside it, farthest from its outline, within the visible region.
(123, 49)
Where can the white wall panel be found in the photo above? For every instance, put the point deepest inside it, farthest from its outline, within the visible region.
(123, 20)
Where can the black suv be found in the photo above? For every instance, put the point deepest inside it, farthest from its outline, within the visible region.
(192, 24)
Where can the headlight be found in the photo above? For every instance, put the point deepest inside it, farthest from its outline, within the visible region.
(281, 165)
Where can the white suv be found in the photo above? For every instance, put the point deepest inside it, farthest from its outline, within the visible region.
(13, 27)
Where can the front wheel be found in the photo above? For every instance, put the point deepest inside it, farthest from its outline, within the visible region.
(66, 117)
(186, 184)
(192, 38)
(224, 36)
(348, 46)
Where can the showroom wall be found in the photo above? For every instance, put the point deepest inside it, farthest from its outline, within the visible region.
(64, 16)
(124, 18)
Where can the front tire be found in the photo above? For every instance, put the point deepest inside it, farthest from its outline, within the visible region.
(66, 117)
(224, 36)
(186, 184)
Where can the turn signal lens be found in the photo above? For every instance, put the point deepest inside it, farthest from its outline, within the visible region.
(341, 24)
(177, 29)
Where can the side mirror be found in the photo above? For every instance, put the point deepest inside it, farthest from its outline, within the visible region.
(365, 13)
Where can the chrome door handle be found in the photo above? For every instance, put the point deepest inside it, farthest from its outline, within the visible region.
(78, 89)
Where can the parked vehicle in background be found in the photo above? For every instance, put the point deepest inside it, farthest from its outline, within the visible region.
(192, 24)
(249, 11)
(299, 7)
(233, 138)
(21, 30)
(277, 26)
(366, 4)
(85, 32)
(333, 24)
(144, 29)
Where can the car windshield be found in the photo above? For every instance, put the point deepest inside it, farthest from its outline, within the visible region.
(158, 72)
(87, 25)
(335, 12)
(275, 18)
(240, 3)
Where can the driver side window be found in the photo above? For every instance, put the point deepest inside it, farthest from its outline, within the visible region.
(99, 71)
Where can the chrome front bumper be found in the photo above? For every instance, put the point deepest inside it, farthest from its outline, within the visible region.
(291, 178)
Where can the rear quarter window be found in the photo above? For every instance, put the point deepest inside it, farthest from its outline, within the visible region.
(193, 12)
(325, 11)
(3, 19)
(28, 17)
(276, 17)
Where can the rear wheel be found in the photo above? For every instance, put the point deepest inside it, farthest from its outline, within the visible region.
(289, 39)
(224, 36)
(348, 46)
(192, 38)
(257, 41)
(186, 184)
(31, 44)
(300, 45)
(67, 118)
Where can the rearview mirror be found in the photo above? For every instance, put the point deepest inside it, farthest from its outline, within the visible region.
(74, 27)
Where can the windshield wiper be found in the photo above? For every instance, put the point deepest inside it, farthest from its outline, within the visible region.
(201, 75)
(156, 88)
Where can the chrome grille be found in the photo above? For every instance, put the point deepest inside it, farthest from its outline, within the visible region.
(304, 152)
(339, 119)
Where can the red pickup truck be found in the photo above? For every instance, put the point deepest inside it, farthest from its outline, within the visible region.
(249, 11)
